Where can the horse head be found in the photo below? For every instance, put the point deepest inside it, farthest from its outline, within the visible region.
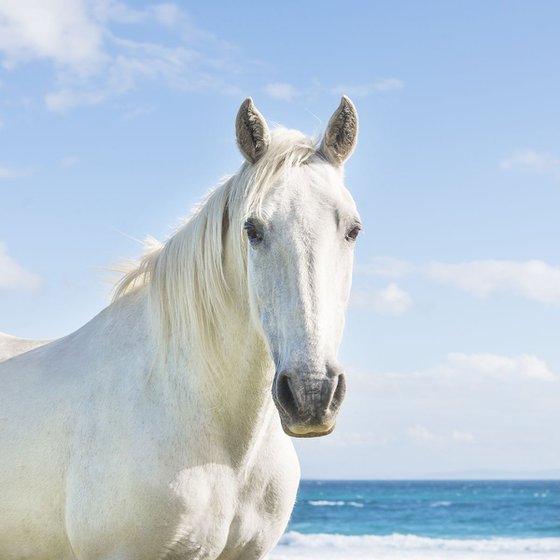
(299, 241)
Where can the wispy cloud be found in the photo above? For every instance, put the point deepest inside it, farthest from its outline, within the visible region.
(93, 62)
(498, 366)
(166, 14)
(281, 90)
(464, 399)
(358, 439)
(13, 276)
(288, 92)
(465, 437)
(388, 267)
(391, 300)
(365, 90)
(532, 161)
(421, 435)
(7, 172)
(535, 280)
(69, 161)
(472, 367)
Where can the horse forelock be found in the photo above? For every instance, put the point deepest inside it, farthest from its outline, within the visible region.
(188, 287)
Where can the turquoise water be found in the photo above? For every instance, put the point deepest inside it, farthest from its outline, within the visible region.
(424, 520)
(443, 509)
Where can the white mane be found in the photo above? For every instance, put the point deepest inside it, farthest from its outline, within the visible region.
(185, 275)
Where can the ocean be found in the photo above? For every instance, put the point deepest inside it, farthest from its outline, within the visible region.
(424, 520)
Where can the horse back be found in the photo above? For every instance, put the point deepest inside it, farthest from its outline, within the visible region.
(11, 346)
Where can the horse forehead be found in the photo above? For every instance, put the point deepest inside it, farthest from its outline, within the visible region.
(308, 193)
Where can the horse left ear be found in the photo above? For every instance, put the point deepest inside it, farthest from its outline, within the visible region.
(252, 132)
(342, 133)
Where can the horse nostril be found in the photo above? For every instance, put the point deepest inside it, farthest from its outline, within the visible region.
(339, 392)
(285, 394)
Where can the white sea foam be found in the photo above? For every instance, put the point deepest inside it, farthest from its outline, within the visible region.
(297, 546)
(326, 503)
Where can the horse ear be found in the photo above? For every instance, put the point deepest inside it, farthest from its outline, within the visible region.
(342, 133)
(252, 132)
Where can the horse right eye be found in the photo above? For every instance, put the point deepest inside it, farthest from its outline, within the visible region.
(254, 233)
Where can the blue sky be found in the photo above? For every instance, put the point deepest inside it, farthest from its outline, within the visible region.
(116, 117)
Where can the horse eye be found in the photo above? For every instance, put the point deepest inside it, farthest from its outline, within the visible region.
(254, 234)
(353, 234)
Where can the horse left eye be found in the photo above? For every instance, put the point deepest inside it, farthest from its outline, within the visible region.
(353, 234)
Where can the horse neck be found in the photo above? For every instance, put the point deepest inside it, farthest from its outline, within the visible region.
(228, 389)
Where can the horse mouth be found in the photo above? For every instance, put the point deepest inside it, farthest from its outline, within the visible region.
(299, 431)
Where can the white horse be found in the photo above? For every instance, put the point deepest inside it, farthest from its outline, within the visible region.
(151, 432)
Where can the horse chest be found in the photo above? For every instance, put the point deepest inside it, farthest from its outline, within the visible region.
(230, 519)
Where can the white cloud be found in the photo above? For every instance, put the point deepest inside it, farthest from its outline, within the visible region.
(501, 367)
(392, 300)
(421, 435)
(92, 63)
(113, 10)
(13, 277)
(167, 14)
(13, 173)
(535, 280)
(533, 162)
(64, 99)
(365, 90)
(58, 30)
(288, 92)
(450, 402)
(281, 90)
(69, 161)
(342, 438)
(388, 267)
(388, 84)
(465, 437)
(176, 67)
(474, 367)
(463, 412)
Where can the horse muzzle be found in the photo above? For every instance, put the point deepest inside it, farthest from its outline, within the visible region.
(308, 402)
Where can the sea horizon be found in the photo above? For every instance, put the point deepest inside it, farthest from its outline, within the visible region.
(479, 474)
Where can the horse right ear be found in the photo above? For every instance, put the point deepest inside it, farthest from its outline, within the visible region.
(253, 136)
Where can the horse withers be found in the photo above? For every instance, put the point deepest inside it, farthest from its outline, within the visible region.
(160, 428)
